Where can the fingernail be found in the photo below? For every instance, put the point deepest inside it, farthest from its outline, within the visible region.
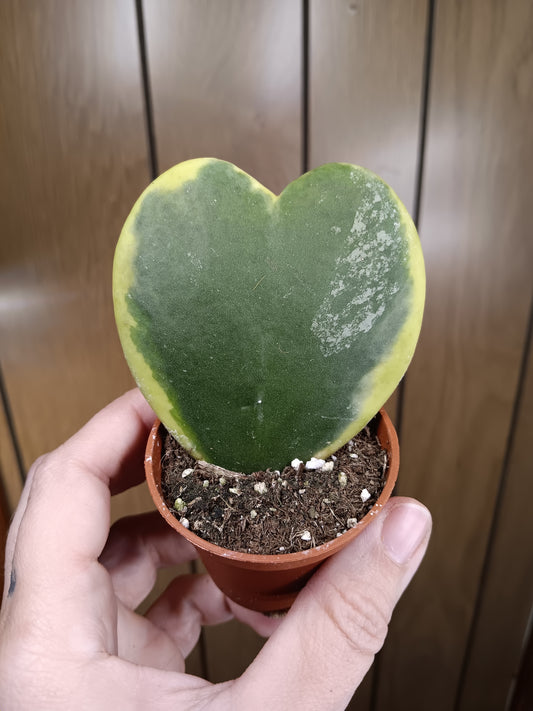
(403, 531)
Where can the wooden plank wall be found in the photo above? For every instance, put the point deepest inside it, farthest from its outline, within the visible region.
(437, 97)
(462, 389)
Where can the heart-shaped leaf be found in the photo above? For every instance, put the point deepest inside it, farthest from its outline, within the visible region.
(263, 328)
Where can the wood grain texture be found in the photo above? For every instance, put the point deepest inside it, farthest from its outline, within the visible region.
(74, 159)
(462, 384)
(366, 69)
(226, 83)
(507, 595)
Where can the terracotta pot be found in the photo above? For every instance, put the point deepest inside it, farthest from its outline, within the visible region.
(267, 582)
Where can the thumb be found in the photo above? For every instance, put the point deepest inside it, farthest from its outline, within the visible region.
(323, 649)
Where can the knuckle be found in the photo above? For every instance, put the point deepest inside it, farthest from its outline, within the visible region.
(39, 472)
(360, 616)
(39, 466)
(59, 462)
(46, 466)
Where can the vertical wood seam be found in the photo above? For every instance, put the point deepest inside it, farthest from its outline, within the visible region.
(419, 174)
(306, 31)
(15, 442)
(495, 519)
(424, 110)
(147, 91)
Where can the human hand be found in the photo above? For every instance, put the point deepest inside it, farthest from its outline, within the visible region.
(69, 636)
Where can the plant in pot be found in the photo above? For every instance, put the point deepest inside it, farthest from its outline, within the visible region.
(267, 332)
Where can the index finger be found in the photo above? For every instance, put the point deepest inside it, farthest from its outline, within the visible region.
(121, 429)
(66, 507)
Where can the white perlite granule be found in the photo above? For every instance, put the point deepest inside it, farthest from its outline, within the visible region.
(365, 495)
(314, 463)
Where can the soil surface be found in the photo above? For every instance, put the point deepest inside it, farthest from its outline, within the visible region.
(275, 512)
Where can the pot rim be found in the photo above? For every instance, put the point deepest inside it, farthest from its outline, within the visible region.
(388, 440)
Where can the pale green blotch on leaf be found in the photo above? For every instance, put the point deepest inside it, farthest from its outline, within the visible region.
(260, 327)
